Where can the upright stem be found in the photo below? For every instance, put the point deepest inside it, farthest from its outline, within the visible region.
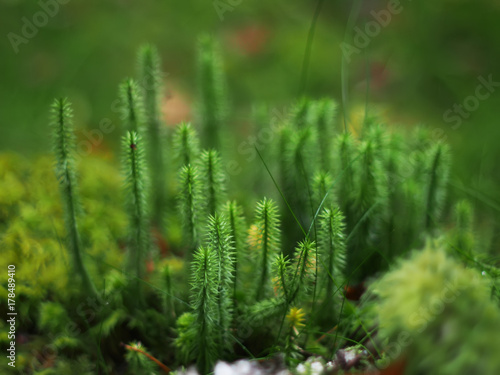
(64, 146)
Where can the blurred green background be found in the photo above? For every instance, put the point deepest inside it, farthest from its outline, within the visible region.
(423, 62)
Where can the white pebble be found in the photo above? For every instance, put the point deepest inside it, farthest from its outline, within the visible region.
(222, 368)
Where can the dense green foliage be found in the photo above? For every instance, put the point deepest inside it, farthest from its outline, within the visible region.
(172, 263)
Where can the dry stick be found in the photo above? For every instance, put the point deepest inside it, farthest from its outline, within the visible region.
(162, 366)
(326, 334)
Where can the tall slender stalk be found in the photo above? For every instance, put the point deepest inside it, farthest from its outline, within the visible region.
(64, 150)
(305, 270)
(212, 181)
(346, 165)
(236, 222)
(264, 240)
(462, 239)
(135, 187)
(331, 246)
(438, 164)
(213, 101)
(131, 106)
(219, 239)
(150, 81)
(206, 346)
(189, 205)
(325, 112)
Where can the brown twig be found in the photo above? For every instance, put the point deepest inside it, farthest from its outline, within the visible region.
(162, 366)
(326, 334)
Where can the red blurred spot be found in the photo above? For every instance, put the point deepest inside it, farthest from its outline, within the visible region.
(251, 39)
(150, 266)
(354, 292)
(160, 241)
(379, 75)
(396, 368)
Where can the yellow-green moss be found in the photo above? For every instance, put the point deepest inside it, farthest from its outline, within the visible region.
(439, 314)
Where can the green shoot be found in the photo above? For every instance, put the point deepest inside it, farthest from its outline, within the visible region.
(64, 150)
(264, 242)
(236, 221)
(186, 144)
(212, 181)
(189, 201)
(131, 108)
(212, 106)
(135, 188)
(438, 167)
(325, 112)
(151, 85)
(204, 301)
(219, 240)
(332, 252)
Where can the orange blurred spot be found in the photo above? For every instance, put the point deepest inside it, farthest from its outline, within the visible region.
(251, 39)
(176, 108)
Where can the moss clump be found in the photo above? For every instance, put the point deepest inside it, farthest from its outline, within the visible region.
(439, 314)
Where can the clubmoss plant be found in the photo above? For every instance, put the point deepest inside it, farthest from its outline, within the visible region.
(371, 190)
(266, 123)
(64, 150)
(219, 240)
(351, 205)
(413, 212)
(286, 184)
(369, 206)
(347, 160)
(150, 78)
(296, 153)
(332, 252)
(135, 188)
(204, 302)
(168, 297)
(299, 156)
(186, 144)
(395, 194)
(212, 182)
(264, 243)
(301, 113)
(285, 132)
(189, 205)
(237, 227)
(131, 106)
(462, 240)
(295, 320)
(323, 193)
(325, 112)
(438, 170)
(305, 272)
(185, 336)
(282, 277)
(213, 101)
